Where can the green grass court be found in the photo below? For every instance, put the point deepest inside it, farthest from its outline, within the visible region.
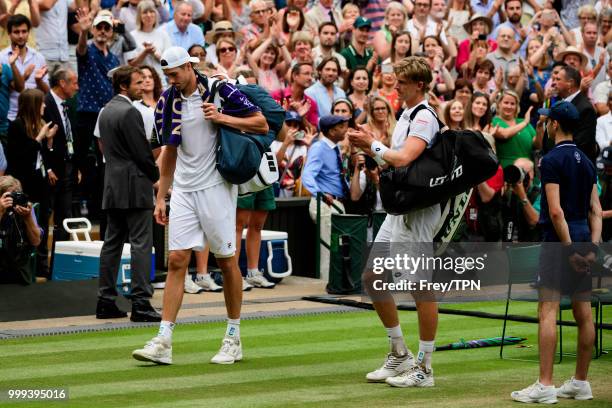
(307, 361)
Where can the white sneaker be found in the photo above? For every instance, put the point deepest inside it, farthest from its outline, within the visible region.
(157, 350)
(416, 376)
(207, 283)
(569, 389)
(230, 352)
(246, 286)
(260, 281)
(392, 366)
(537, 393)
(190, 286)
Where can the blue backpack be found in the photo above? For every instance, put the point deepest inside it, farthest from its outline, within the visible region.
(239, 154)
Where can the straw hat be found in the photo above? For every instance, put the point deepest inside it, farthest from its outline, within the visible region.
(221, 27)
(468, 26)
(573, 50)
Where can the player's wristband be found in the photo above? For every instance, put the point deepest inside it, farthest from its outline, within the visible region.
(379, 150)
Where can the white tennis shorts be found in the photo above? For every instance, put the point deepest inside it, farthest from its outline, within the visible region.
(204, 217)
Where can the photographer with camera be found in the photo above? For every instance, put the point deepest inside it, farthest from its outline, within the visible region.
(522, 203)
(19, 233)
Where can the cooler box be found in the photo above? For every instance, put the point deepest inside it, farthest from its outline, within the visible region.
(274, 257)
(78, 260)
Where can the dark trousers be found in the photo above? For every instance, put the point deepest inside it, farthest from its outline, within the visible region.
(89, 159)
(36, 188)
(133, 226)
(61, 204)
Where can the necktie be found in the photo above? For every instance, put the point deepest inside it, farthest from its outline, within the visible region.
(67, 130)
(331, 17)
(345, 186)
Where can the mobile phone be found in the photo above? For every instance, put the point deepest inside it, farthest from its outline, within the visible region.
(299, 135)
(482, 36)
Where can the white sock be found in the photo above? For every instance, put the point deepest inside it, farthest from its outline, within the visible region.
(579, 383)
(426, 349)
(165, 330)
(252, 272)
(201, 275)
(233, 328)
(396, 341)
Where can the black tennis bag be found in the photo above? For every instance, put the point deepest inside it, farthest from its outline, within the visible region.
(456, 162)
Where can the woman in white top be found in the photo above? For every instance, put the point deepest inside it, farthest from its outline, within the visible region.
(459, 13)
(151, 42)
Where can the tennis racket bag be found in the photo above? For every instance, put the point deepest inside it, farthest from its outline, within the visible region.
(456, 162)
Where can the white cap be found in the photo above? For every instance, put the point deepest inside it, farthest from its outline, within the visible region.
(175, 57)
(103, 18)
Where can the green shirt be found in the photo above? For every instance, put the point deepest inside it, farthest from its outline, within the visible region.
(519, 145)
(353, 59)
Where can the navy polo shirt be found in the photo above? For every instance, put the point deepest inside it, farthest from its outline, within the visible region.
(95, 88)
(571, 169)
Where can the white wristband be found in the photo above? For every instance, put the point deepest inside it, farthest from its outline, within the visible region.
(379, 150)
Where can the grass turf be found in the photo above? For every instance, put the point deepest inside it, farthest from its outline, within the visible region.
(308, 361)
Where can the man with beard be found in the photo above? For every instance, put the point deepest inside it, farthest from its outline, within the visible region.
(504, 58)
(294, 98)
(514, 11)
(358, 54)
(324, 91)
(328, 33)
(128, 192)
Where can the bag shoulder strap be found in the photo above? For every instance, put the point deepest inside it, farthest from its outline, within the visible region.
(214, 91)
(420, 108)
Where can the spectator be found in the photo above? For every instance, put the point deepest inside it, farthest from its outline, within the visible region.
(129, 15)
(395, 21)
(594, 54)
(350, 12)
(357, 54)
(291, 154)
(381, 119)
(344, 107)
(522, 205)
(401, 47)
(604, 127)
(291, 21)
(294, 97)
(605, 25)
(30, 63)
(482, 78)
(586, 14)
(374, 10)
(328, 34)
(359, 85)
(121, 43)
(227, 55)
(387, 89)
(478, 28)
(324, 91)
(365, 178)
(323, 173)
(515, 136)
(238, 12)
(549, 22)
(182, 31)
(324, 11)
(504, 57)
(30, 10)
(26, 134)
(151, 91)
(95, 90)
(443, 82)
(52, 32)
(270, 61)
(3, 163)
(198, 51)
(602, 90)
(459, 13)
(60, 160)
(463, 91)
(490, 9)
(454, 115)
(301, 47)
(567, 84)
(478, 114)
(540, 59)
(151, 40)
(514, 12)
(22, 234)
(259, 21)
(221, 30)
(479, 48)
(421, 25)
(10, 80)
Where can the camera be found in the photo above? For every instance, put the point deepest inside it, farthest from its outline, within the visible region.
(299, 135)
(482, 36)
(19, 199)
(514, 174)
(119, 28)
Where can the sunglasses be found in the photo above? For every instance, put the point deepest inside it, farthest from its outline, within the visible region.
(226, 49)
(104, 27)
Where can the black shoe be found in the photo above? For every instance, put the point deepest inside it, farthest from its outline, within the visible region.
(144, 312)
(107, 309)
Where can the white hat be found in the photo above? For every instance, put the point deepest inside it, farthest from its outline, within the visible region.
(103, 18)
(175, 57)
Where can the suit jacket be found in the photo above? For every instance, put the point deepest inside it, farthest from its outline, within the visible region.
(316, 15)
(584, 135)
(22, 154)
(55, 160)
(130, 168)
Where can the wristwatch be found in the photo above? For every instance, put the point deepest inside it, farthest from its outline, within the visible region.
(524, 201)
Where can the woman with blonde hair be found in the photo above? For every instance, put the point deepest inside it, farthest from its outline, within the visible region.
(227, 54)
(381, 119)
(151, 41)
(586, 14)
(395, 21)
(515, 136)
(270, 62)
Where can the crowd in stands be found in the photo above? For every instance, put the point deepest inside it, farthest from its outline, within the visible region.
(494, 63)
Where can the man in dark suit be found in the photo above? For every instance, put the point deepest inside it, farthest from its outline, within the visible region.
(567, 84)
(128, 198)
(59, 159)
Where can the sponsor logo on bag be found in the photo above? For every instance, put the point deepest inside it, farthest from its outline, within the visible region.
(437, 181)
